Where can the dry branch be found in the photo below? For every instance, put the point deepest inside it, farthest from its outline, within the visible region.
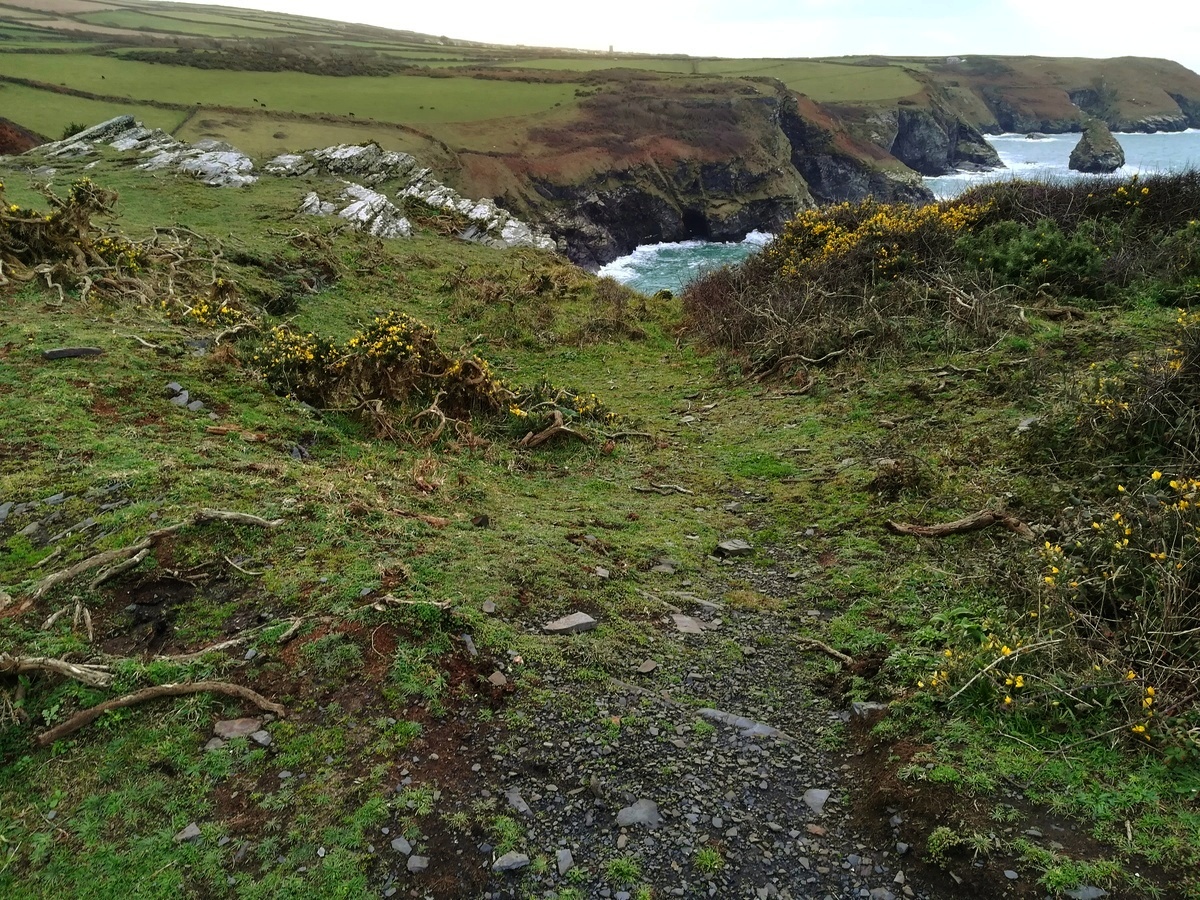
(81, 719)
(120, 568)
(135, 550)
(985, 518)
(814, 644)
(93, 675)
(532, 440)
(663, 489)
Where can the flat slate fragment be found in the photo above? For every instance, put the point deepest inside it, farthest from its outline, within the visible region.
(71, 352)
(686, 624)
(232, 728)
(733, 547)
(644, 812)
(510, 862)
(572, 624)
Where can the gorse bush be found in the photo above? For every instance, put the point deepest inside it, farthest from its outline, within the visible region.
(870, 276)
(1142, 410)
(1035, 256)
(396, 361)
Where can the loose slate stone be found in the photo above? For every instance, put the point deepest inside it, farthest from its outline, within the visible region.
(191, 833)
(400, 845)
(644, 812)
(180, 399)
(71, 352)
(815, 799)
(5, 508)
(602, 572)
(749, 727)
(174, 387)
(489, 607)
(647, 667)
(510, 862)
(262, 738)
(572, 624)
(566, 862)
(498, 679)
(1087, 892)
(733, 547)
(517, 802)
(418, 864)
(196, 405)
(1011, 875)
(214, 744)
(232, 728)
(686, 624)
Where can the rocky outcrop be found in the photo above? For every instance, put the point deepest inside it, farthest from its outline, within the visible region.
(1097, 151)
(1189, 107)
(613, 212)
(833, 172)
(935, 144)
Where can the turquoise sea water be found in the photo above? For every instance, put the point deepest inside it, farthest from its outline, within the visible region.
(657, 266)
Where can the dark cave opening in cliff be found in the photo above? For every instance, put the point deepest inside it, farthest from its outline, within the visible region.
(695, 225)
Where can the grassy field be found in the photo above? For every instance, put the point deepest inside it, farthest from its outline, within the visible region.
(54, 112)
(412, 100)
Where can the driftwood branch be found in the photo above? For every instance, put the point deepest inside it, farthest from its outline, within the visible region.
(93, 675)
(532, 440)
(81, 719)
(124, 554)
(392, 600)
(121, 568)
(985, 518)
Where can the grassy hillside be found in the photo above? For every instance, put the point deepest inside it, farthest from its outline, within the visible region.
(392, 594)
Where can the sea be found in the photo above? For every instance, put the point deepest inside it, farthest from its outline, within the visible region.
(671, 266)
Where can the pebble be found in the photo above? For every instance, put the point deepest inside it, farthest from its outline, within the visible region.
(262, 738)
(400, 845)
(566, 861)
(643, 812)
(498, 679)
(647, 667)
(815, 799)
(733, 547)
(189, 834)
(418, 864)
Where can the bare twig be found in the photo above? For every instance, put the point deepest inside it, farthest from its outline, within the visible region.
(1028, 648)
(79, 720)
(532, 440)
(814, 644)
(391, 600)
(243, 571)
(662, 489)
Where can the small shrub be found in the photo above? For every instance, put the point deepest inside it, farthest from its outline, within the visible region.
(623, 871)
(942, 841)
(709, 860)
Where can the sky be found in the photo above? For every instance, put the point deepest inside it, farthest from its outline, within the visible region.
(1099, 28)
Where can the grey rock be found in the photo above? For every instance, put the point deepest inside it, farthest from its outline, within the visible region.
(1086, 892)
(1011, 875)
(647, 667)
(189, 834)
(687, 624)
(250, 654)
(418, 864)
(284, 775)
(196, 405)
(232, 728)
(517, 802)
(566, 861)
(882, 893)
(262, 738)
(749, 727)
(71, 352)
(510, 862)
(572, 624)
(174, 387)
(602, 572)
(498, 679)
(643, 812)
(489, 607)
(400, 845)
(214, 744)
(181, 399)
(733, 547)
(5, 509)
(814, 799)
(863, 709)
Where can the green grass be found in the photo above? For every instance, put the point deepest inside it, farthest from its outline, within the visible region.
(49, 113)
(414, 100)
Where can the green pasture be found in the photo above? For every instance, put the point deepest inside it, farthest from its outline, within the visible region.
(823, 81)
(410, 99)
(49, 113)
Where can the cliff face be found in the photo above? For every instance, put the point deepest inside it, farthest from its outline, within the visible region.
(711, 165)
(935, 143)
(14, 139)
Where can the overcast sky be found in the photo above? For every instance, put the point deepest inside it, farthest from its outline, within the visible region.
(1161, 28)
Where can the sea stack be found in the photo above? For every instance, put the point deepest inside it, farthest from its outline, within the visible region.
(1097, 151)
